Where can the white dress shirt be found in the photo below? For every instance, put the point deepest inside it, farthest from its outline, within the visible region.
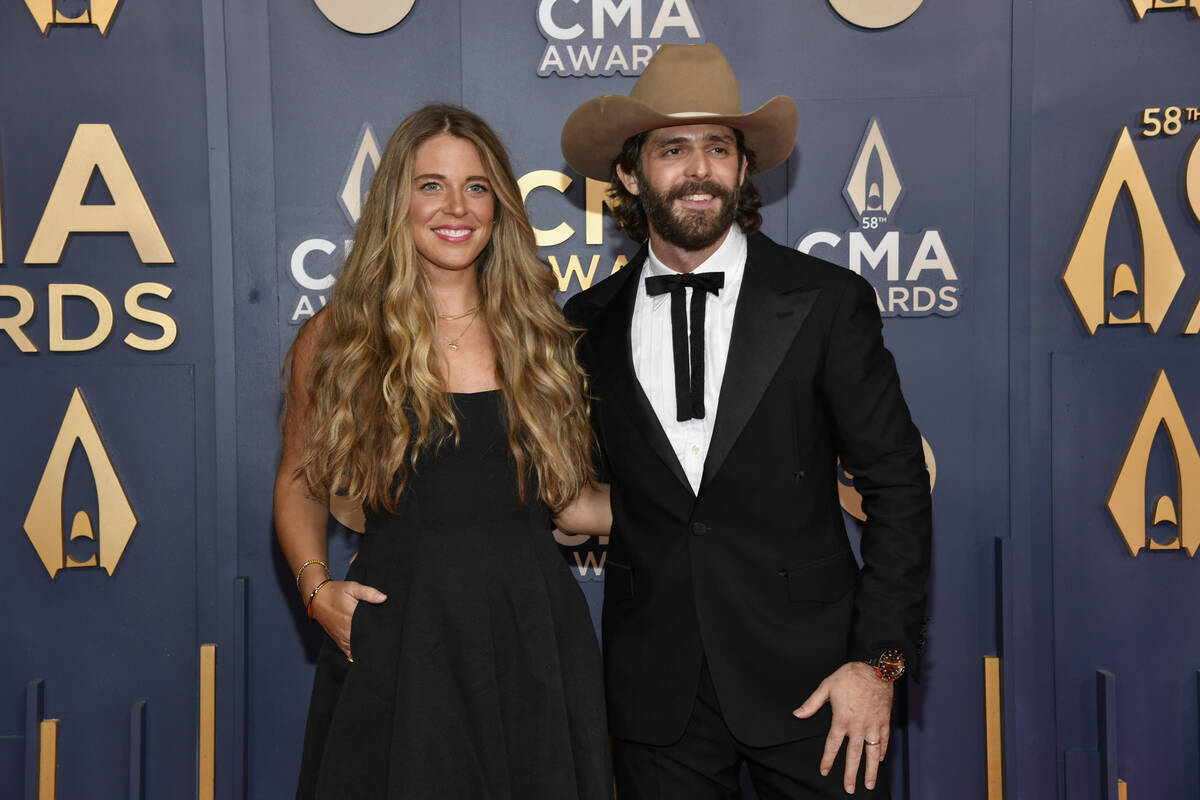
(653, 354)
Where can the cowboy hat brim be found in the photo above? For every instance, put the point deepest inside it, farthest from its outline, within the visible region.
(596, 131)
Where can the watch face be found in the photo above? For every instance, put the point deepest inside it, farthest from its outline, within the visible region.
(891, 665)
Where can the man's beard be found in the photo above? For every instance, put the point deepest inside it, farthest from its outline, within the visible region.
(688, 228)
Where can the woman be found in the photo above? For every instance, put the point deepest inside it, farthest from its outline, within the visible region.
(439, 388)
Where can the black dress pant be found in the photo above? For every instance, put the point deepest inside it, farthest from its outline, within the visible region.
(706, 763)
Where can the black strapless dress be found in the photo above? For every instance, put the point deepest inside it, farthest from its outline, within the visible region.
(480, 675)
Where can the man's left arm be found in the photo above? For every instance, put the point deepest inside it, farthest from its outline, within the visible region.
(880, 446)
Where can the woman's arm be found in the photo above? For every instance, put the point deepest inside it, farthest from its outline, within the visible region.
(300, 519)
(589, 514)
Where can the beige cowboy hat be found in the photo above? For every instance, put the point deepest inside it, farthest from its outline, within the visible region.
(684, 84)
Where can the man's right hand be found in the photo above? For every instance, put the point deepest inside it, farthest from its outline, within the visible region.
(861, 702)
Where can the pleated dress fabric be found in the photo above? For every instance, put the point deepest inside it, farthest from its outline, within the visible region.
(479, 677)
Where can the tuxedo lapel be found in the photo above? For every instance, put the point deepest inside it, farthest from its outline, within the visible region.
(611, 337)
(771, 307)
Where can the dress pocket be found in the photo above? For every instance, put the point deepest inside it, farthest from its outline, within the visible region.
(825, 580)
(357, 628)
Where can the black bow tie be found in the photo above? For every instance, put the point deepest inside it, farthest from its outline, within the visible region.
(689, 372)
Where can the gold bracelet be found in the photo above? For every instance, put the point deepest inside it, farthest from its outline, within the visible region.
(306, 565)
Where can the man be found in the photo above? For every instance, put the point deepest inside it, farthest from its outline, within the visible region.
(729, 375)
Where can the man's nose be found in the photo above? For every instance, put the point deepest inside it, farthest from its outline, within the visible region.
(699, 165)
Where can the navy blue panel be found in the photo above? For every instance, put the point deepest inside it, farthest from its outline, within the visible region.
(274, 697)
(1106, 732)
(102, 643)
(239, 679)
(1032, 768)
(12, 760)
(225, 615)
(1081, 768)
(1114, 611)
(1111, 611)
(35, 705)
(137, 751)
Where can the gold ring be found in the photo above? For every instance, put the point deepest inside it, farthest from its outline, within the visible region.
(869, 744)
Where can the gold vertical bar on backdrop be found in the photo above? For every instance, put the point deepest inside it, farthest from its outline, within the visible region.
(993, 710)
(206, 790)
(1122, 791)
(48, 760)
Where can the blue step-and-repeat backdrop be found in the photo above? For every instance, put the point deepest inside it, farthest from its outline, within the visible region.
(179, 183)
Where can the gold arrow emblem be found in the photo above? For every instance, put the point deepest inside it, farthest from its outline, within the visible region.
(1162, 273)
(1127, 501)
(44, 523)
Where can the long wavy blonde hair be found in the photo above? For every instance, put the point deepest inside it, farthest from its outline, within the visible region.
(375, 373)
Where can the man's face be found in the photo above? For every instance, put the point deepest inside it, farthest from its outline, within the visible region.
(687, 180)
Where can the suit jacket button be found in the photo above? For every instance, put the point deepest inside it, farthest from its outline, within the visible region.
(699, 528)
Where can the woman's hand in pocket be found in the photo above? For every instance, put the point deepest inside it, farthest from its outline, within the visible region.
(334, 606)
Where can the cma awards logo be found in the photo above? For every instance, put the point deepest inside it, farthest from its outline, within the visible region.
(604, 37)
(102, 539)
(312, 267)
(97, 12)
(917, 285)
(1117, 294)
(93, 166)
(1142, 7)
(1127, 501)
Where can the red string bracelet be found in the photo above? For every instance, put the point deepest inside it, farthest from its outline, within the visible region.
(313, 596)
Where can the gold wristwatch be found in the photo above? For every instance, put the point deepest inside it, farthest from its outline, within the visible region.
(888, 665)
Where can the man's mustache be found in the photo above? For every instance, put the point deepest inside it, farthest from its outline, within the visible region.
(700, 187)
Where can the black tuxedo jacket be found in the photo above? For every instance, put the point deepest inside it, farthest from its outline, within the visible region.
(755, 573)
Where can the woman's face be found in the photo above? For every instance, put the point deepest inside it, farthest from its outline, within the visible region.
(451, 209)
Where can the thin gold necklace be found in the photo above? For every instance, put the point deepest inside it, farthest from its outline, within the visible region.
(460, 314)
(453, 343)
